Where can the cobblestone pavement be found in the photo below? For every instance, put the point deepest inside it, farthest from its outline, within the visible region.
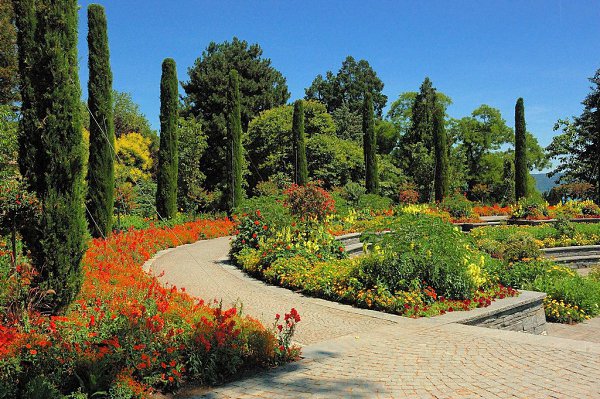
(354, 353)
(586, 331)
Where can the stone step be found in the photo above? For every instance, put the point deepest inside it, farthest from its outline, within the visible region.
(573, 250)
(354, 249)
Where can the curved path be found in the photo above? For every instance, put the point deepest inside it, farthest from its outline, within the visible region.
(364, 354)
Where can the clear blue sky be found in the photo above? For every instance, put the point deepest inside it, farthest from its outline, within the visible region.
(477, 52)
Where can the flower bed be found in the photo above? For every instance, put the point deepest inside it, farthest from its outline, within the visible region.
(428, 279)
(126, 334)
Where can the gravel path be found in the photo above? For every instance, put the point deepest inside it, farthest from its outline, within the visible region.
(353, 353)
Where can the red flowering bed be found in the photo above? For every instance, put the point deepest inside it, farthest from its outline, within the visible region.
(126, 334)
(494, 210)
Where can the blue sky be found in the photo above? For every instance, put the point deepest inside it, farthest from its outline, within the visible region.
(477, 52)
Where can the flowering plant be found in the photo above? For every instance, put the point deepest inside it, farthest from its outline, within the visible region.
(309, 202)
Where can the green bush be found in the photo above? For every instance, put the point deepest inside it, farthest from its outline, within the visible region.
(520, 245)
(574, 290)
(458, 206)
(425, 249)
(353, 192)
(530, 208)
(273, 212)
(374, 202)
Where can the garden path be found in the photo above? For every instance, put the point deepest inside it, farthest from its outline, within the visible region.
(364, 354)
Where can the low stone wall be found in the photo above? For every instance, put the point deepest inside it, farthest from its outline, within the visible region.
(523, 316)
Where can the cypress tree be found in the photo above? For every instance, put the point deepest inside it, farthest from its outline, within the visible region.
(166, 190)
(299, 145)
(521, 173)
(370, 145)
(54, 158)
(234, 135)
(441, 154)
(101, 180)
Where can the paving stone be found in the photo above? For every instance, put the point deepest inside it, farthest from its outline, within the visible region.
(393, 357)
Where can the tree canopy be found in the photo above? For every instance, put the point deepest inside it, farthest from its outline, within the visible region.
(348, 86)
(262, 87)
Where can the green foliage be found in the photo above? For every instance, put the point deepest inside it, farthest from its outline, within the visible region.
(374, 202)
(441, 155)
(51, 156)
(334, 161)
(262, 87)
(370, 146)
(234, 194)
(299, 145)
(353, 192)
(168, 157)
(9, 74)
(269, 141)
(530, 208)
(458, 206)
(251, 229)
(519, 246)
(416, 152)
(100, 173)
(128, 118)
(578, 146)
(521, 170)
(271, 210)
(348, 124)
(572, 289)
(8, 142)
(191, 147)
(348, 86)
(387, 136)
(422, 249)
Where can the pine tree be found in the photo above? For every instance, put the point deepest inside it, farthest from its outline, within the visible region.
(234, 135)
(53, 160)
(521, 173)
(441, 154)
(370, 146)
(299, 145)
(166, 189)
(101, 179)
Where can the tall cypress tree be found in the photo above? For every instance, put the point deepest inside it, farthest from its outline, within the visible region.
(234, 135)
(53, 149)
(370, 145)
(299, 145)
(441, 154)
(101, 176)
(521, 173)
(166, 190)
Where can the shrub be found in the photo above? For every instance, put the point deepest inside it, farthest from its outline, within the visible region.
(374, 203)
(267, 188)
(458, 206)
(425, 249)
(250, 230)
(582, 294)
(271, 208)
(564, 228)
(520, 245)
(530, 208)
(352, 192)
(309, 202)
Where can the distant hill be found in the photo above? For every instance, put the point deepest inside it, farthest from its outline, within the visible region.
(543, 182)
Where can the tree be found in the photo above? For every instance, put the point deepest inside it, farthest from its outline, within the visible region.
(269, 143)
(192, 144)
(348, 124)
(401, 110)
(129, 118)
(234, 133)
(370, 146)
(348, 87)
(53, 162)
(521, 170)
(299, 146)
(9, 74)
(416, 153)
(262, 87)
(578, 146)
(100, 176)
(441, 155)
(166, 184)
(8, 142)
(387, 136)
(479, 135)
